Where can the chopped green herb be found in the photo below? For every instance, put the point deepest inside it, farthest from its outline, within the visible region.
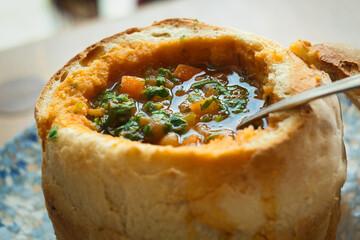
(206, 104)
(194, 97)
(178, 124)
(149, 107)
(161, 115)
(236, 102)
(203, 83)
(167, 127)
(206, 118)
(240, 110)
(223, 90)
(211, 137)
(219, 118)
(116, 87)
(222, 106)
(182, 36)
(53, 132)
(152, 107)
(147, 131)
(132, 136)
(160, 81)
(121, 98)
(236, 105)
(117, 111)
(137, 117)
(96, 120)
(153, 91)
(74, 85)
(130, 129)
(195, 22)
(106, 95)
(163, 72)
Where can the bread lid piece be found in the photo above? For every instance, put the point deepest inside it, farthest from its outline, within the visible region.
(281, 182)
(339, 60)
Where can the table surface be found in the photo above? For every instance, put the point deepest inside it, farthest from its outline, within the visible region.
(281, 20)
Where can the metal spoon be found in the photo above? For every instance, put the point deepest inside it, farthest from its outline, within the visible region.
(304, 97)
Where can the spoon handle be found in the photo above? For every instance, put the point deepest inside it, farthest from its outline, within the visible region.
(345, 84)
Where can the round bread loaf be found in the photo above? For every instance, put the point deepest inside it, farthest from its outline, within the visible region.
(281, 182)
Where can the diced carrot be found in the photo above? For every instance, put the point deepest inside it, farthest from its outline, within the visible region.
(132, 86)
(200, 108)
(184, 72)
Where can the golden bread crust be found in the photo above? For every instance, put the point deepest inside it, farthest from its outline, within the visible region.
(336, 59)
(281, 182)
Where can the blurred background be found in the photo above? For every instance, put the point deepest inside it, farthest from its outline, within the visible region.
(39, 36)
(26, 21)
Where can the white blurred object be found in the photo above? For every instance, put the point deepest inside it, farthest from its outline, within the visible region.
(24, 21)
(111, 9)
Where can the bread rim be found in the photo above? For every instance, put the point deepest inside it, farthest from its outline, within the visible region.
(279, 183)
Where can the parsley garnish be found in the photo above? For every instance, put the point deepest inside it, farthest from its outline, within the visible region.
(223, 90)
(211, 137)
(206, 118)
(163, 72)
(193, 97)
(222, 107)
(121, 98)
(160, 81)
(96, 120)
(149, 107)
(152, 91)
(106, 95)
(206, 104)
(152, 107)
(178, 124)
(53, 132)
(195, 22)
(130, 129)
(220, 118)
(147, 131)
(236, 102)
(203, 83)
(117, 113)
(182, 36)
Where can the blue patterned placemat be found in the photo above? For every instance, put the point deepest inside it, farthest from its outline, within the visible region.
(22, 209)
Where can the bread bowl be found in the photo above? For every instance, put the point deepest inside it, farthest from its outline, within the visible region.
(280, 182)
(339, 60)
